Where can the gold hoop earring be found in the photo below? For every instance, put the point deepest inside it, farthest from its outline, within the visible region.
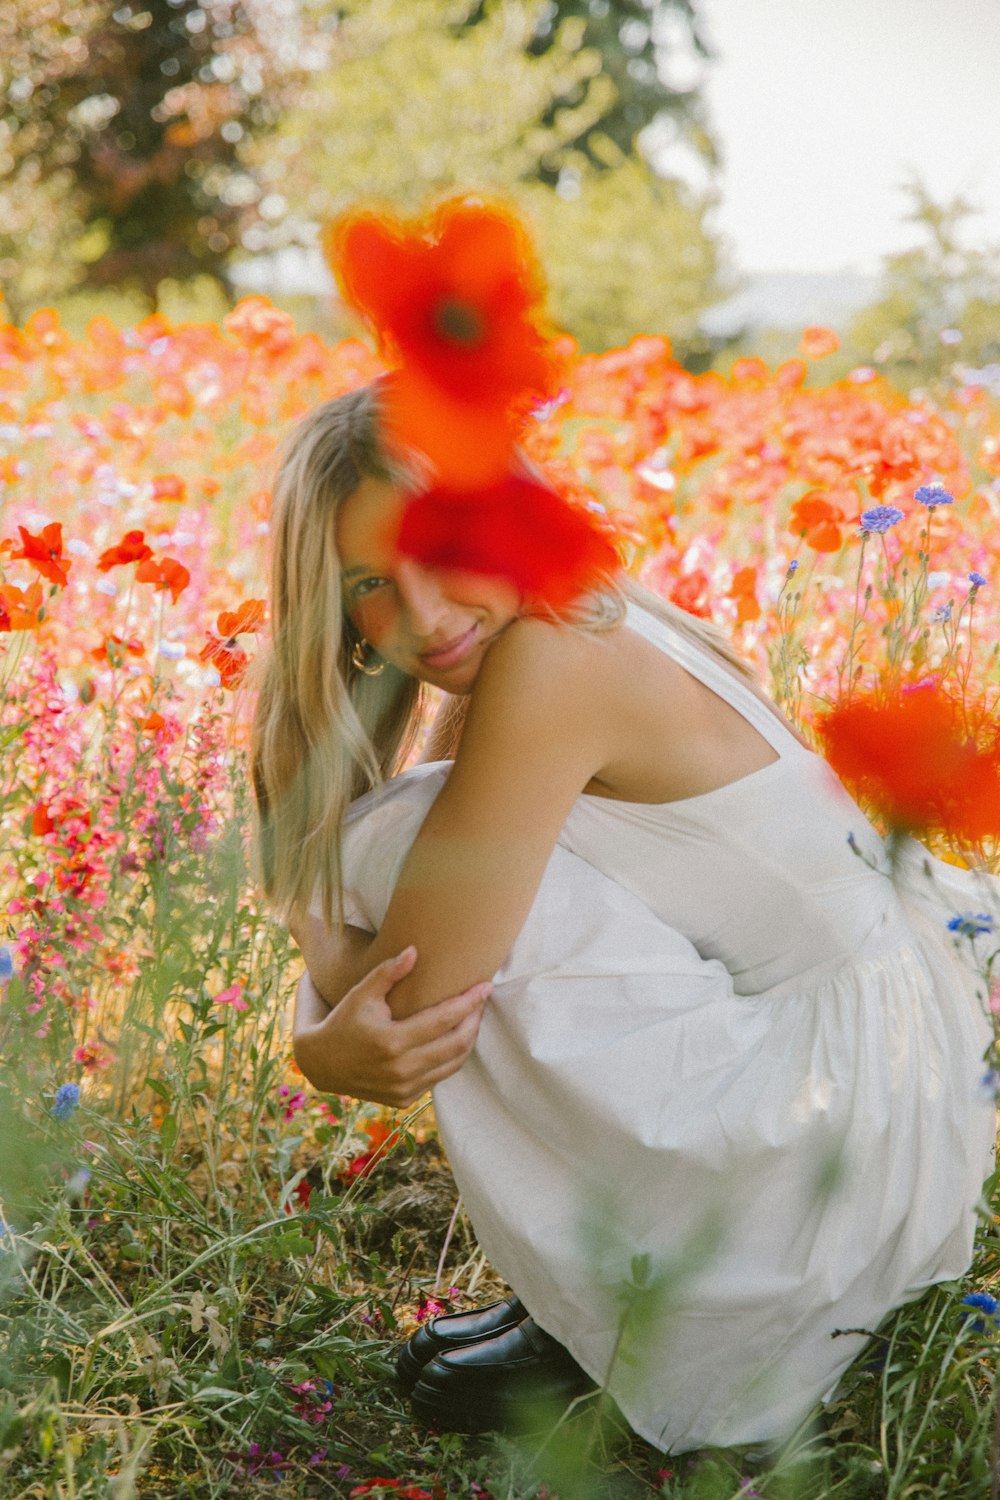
(358, 658)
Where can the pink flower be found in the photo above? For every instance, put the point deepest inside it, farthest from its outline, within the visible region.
(233, 996)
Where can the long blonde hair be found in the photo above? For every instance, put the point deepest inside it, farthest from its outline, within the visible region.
(323, 731)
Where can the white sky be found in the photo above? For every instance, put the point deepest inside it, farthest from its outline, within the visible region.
(824, 107)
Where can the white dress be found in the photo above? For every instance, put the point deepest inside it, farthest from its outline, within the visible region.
(727, 1105)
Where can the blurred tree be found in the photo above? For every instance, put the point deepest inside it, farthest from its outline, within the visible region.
(640, 43)
(418, 103)
(940, 301)
(41, 46)
(132, 114)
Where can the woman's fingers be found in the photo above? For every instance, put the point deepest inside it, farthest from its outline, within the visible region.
(380, 980)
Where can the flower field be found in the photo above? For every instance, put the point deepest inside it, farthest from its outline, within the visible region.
(201, 1261)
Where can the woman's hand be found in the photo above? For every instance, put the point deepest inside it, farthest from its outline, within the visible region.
(359, 1049)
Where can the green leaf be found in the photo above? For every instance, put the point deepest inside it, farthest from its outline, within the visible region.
(168, 1132)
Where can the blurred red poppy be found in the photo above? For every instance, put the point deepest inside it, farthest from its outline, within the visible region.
(165, 573)
(455, 299)
(223, 648)
(911, 755)
(744, 590)
(133, 547)
(817, 342)
(21, 609)
(818, 521)
(44, 552)
(518, 529)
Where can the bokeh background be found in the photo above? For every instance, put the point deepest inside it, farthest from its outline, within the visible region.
(717, 170)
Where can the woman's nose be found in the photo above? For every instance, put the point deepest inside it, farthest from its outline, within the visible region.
(421, 596)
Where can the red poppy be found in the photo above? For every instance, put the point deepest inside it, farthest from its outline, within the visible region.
(44, 552)
(817, 520)
(744, 590)
(517, 529)
(21, 609)
(912, 757)
(165, 573)
(133, 547)
(223, 648)
(169, 487)
(113, 650)
(455, 300)
(818, 342)
(691, 593)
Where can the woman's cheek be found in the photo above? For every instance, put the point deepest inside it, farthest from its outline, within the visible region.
(373, 617)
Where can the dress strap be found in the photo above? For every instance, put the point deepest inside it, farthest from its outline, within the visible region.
(710, 670)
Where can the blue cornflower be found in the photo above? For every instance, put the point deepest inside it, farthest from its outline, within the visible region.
(984, 1303)
(793, 566)
(942, 614)
(67, 1098)
(880, 518)
(971, 924)
(6, 964)
(932, 495)
(977, 580)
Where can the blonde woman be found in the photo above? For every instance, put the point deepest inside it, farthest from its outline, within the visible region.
(722, 1105)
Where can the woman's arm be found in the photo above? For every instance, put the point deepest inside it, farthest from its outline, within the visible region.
(344, 1035)
(360, 1049)
(539, 727)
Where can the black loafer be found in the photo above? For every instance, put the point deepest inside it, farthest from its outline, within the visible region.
(511, 1382)
(455, 1331)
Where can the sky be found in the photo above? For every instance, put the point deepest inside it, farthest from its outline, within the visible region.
(823, 108)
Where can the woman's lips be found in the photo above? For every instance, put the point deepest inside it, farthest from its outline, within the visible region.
(451, 652)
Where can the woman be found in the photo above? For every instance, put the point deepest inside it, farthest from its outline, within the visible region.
(723, 1112)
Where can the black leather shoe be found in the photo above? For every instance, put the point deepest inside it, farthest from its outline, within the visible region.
(455, 1331)
(511, 1382)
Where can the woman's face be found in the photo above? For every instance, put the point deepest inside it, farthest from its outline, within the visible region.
(432, 623)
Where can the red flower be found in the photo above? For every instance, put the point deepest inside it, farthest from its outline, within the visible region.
(815, 518)
(817, 342)
(912, 757)
(744, 590)
(113, 649)
(691, 593)
(259, 325)
(454, 299)
(169, 487)
(44, 552)
(223, 648)
(131, 548)
(517, 529)
(165, 573)
(21, 609)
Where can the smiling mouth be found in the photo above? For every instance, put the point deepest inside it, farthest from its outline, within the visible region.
(451, 652)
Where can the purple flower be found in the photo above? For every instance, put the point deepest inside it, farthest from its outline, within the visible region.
(880, 518)
(67, 1099)
(793, 566)
(984, 1303)
(932, 495)
(977, 580)
(971, 924)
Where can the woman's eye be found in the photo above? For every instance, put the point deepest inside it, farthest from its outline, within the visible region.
(366, 586)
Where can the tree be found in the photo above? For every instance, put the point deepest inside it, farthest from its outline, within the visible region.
(412, 107)
(637, 41)
(136, 111)
(940, 300)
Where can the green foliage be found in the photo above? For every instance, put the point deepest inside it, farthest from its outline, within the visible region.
(411, 110)
(940, 301)
(636, 39)
(120, 133)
